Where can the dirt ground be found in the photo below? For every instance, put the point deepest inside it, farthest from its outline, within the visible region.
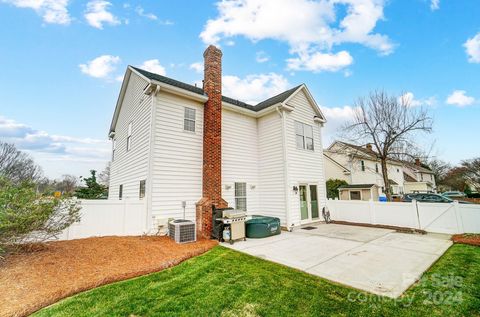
(471, 239)
(37, 279)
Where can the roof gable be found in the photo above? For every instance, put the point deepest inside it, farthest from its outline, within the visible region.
(303, 88)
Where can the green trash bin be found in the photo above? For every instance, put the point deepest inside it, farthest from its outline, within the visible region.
(262, 226)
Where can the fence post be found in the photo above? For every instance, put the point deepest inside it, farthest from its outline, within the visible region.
(416, 214)
(124, 216)
(458, 217)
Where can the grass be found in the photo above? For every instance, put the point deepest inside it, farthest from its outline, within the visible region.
(224, 282)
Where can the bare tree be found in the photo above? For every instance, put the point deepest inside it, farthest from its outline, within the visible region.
(67, 184)
(104, 176)
(390, 124)
(17, 165)
(440, 170)
(472, 172)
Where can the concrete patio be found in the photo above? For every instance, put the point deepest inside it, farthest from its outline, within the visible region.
(379, 261)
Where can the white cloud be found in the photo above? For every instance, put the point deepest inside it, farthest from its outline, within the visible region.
(262, 57)
(197, 67)
(153, 65)
(141, 12)
(434, 5)
(52, 11)
(313, 26)
(254, 88)
(409, 98)
(459, 98)
(230, 43)
(57, 154)
(100, 67)
(472, 47)
(336, 117)
(318, 62)
(97, 14)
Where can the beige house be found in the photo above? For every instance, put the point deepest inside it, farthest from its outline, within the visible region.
(418, 178)
(358, 192)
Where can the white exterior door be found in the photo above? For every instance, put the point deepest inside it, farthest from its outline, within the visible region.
(308, 202)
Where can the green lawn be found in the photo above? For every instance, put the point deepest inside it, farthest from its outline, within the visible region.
(223, 282)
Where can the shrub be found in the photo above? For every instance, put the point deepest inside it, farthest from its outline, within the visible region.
(27, 217)
(332, 187)
(94, 190)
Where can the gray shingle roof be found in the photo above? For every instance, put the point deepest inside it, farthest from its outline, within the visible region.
(260, 106)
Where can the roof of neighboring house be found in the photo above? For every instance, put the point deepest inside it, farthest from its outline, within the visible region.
(418, 168)
(357, 186)
(409, 178)
(392, 182)
(363, 150)
(260, 106)
(336, 163)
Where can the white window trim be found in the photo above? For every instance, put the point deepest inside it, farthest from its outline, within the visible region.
(355, 190)
(303, 135)
(240, 197)
(129, 137)
(114, 147)
(194, 120)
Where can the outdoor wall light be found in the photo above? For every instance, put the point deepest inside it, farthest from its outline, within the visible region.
(295, 189)
(253, 186)
(227, 187)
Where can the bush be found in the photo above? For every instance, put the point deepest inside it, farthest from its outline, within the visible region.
(332, 187)
(27, 217)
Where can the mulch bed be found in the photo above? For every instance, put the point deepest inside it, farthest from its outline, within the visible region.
(398, 229)
(467, 238)
(33, 280)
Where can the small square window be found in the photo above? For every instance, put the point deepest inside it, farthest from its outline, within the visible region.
(189, 120)
(129, 137)
(355, 195)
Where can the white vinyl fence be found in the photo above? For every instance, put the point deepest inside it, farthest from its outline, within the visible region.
(108, 218)
(432, 217)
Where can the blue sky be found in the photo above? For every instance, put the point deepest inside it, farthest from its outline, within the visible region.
(62, 61)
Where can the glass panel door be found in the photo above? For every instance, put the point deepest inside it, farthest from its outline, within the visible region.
(314, 201)
(303, 202)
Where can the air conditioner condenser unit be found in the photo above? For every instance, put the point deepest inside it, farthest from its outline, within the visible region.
(182, 231)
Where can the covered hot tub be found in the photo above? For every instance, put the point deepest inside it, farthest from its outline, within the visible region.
(262, 226)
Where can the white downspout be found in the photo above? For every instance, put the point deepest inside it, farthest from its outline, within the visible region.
(149, 189)
(285, 168)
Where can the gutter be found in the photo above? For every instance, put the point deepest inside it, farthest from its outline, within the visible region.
(285, 169)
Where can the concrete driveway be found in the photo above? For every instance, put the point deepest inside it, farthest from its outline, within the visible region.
(379, 261)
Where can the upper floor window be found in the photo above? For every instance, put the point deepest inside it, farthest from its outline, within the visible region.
(142, 189)
(362, 166)
(120, 192)
(376, 167)
(304, 136)
(189, 120)
(241, 196)
(129, 137)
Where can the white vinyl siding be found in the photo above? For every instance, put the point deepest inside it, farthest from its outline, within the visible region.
(304, 167)
(189, 120)
(178, 158)
(271, 167)
(240, 158)
(129, 137)
(128, 168)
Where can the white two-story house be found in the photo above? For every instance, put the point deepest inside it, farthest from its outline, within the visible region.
(176, 145)
(361, 169)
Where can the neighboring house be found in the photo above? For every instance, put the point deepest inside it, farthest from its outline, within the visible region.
(335, 170)
(360, 166)
(184, 148)
(418, 178)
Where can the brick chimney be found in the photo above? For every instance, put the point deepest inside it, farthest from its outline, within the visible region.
(369, 146)
(212, 143)
(417, 162)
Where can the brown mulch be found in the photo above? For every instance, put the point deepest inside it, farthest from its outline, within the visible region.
(398, 229)
(467, 238)
(30, 281)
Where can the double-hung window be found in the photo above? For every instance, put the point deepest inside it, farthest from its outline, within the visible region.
(189, 120)
(120, 192)
(129, 137)
(304, 136)
(241, 196)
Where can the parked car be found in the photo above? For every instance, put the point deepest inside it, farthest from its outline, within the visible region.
(429, 198)
(453, 194)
